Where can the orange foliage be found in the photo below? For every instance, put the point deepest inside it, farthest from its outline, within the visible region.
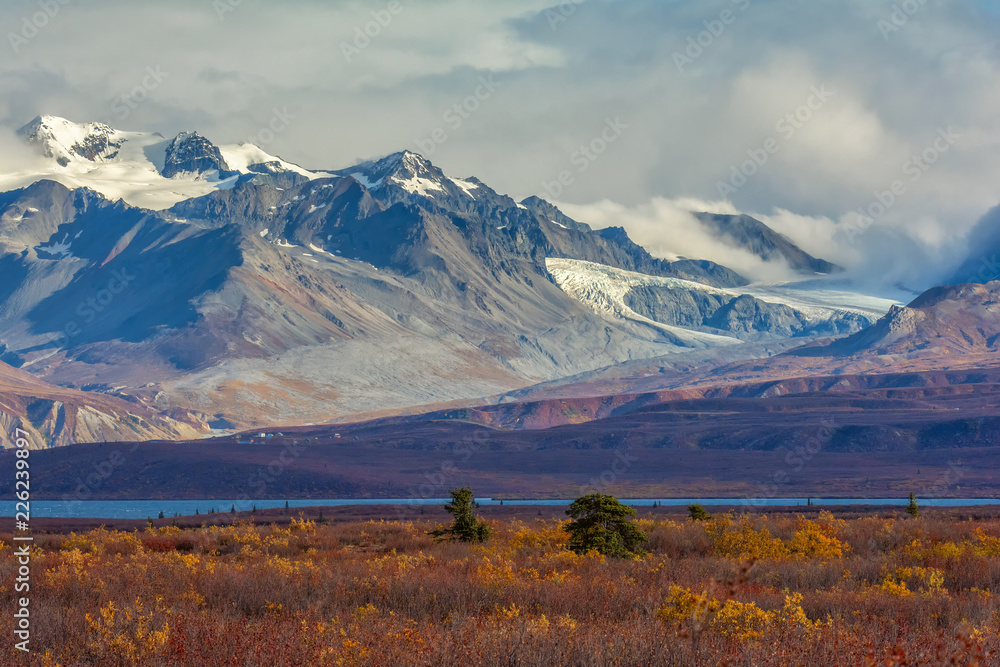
(735, 590)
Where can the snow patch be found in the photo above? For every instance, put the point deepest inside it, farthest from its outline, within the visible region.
(416, 185)
(318, 249)
(363, 180)
(466, 186)
(60, 248)
(239, 157)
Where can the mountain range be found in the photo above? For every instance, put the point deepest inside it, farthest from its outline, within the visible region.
(211, 288)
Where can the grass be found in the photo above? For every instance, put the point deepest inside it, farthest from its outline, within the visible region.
(736, 590)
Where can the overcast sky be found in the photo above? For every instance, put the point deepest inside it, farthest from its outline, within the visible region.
(684, 94)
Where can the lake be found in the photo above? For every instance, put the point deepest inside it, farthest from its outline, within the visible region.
(142, 509)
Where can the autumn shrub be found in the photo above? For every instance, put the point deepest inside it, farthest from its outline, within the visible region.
(737, 590)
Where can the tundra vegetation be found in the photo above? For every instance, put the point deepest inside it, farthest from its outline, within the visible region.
(740, 589)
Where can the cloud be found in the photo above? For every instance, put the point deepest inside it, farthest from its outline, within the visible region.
(668, 229)
(564, 69)
(16, 155)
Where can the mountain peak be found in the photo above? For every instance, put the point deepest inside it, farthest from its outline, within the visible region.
(66, 141)
(748, 233)
(951, 320)
(406, 169)
(189, 152)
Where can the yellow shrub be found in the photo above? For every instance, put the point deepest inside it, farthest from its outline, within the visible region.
(791, 613)
(988, 546)
(128, 632)
(895, 587)
(546, 538)
(926, 580)
(363, 613)
(742, 619)
(812, 541)
(82, 543)
(683, 605)
(740, 539)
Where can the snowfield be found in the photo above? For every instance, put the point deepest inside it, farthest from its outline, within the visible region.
(129, 168)
(604, 289)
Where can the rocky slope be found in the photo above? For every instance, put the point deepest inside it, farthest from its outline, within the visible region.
(743, 231)
(54, 416)
(950, 322)
(273, 294)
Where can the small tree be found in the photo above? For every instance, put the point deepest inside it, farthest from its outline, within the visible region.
(698, 513)
(603, 524)
(913, 509)
(467, 527)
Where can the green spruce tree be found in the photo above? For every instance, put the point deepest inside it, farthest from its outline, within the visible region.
(467, 527)
(698, 513)
(603, 524)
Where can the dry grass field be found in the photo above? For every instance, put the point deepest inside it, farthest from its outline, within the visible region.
(781, 589)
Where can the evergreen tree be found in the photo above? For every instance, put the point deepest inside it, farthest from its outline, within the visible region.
(467, 527)
(603, 524)
(698, 513)
(913, 509)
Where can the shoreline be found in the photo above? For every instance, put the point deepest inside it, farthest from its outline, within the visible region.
(363, 513)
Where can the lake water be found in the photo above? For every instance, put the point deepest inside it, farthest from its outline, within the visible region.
(142, 509)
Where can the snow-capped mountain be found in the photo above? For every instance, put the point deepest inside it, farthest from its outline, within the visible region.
(67, 142)
(226, 280)
(142, 168)
(191, 153)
